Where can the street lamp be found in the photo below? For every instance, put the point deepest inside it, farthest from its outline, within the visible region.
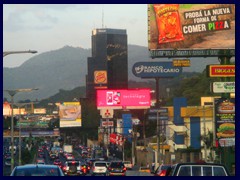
(12, 93)
(5, 53)
(20, 140)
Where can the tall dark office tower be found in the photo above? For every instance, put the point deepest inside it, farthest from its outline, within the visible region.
(109, 59)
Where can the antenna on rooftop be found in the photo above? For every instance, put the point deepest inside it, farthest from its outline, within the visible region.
(103, 17)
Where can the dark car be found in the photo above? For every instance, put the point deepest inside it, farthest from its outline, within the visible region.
(163, 170)
(73, 168)
(37, 170)
(89, 163)
(53, 156)
(58, 163)
(198, 169)
(8, 161)
(41, 154)
(117, 168)
(7, 154)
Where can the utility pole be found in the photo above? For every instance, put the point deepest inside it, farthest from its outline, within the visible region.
(204, 131)
(123, 149)
(133, 145)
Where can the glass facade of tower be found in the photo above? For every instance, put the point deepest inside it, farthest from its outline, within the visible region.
(109, 53)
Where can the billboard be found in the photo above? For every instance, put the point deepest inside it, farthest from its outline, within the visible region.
(70, 114)
(223, 87)
(39, 111)
(191, 26)
(123, 99)
(155, 69)
(225, 121)
(220, 70)
(7, 110)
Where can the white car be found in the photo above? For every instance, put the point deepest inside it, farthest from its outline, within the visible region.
(128, 164)
(99, 167)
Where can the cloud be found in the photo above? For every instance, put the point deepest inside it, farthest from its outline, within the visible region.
(13, 23)
(22, 18)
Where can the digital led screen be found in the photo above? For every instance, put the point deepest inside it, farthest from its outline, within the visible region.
(124, 99)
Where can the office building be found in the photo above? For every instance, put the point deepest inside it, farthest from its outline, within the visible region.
(108, 66)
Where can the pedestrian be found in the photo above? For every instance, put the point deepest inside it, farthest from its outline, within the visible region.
(148, 165)
(153, 166)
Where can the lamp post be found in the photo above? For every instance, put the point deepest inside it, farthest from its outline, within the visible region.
(20, 140)
(12, 93)
(5, 53)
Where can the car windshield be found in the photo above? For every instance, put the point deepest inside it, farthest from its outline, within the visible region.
(100, 164)
(73, 163)
(117, 165)
(165, 167)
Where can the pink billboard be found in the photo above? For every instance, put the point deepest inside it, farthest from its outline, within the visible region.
(124, 99)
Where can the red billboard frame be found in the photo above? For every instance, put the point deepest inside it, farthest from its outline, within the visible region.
(221, 70)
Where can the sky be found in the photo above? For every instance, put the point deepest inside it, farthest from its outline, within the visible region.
(47, 27)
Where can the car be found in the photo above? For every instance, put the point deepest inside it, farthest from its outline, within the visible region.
(117, 168)
(73, 168)
(84, 154)
(89, 163)
(144, 169)
(99, 167)
(58, 162)
(53, 156)
(37, 170)
(163, 170)
(7, 154)
(41, 154)
(128, 165)
(198, 169)
(8, 161)
(69, 156)
(40, 161)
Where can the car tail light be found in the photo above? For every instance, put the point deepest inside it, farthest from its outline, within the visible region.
(163, 173)
(64, 168)
(124, 168)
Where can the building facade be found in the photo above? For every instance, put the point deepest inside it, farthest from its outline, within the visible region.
(108, 66)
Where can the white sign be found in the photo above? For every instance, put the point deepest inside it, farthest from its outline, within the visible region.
(106, 113)
(223, 87)
(107, 123)
(227, 142)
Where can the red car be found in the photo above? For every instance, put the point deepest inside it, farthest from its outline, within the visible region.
(163, 170)
(58, 163)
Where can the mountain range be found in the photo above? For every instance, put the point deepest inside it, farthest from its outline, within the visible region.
(66, 69)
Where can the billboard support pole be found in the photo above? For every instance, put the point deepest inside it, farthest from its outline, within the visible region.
(225, 60)
(157, 106)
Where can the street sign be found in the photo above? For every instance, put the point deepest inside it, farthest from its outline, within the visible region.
(159, 110)
(154, 117)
